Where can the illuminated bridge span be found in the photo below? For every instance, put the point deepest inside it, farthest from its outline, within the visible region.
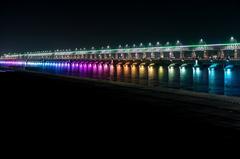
(212, 68)
(201, 51)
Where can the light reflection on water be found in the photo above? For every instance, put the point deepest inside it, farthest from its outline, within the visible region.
(173, 77)
(186, 78)
(232, 82)
(200, 79)
(217, 81)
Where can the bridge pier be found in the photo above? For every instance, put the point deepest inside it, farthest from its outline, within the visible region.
(82, 57)
(205, 55)
(153, 55)
(171, 55)
(110, 56)
(136, 56)
(129, 56)
(222, 55)
(161, 55)
(193, 54)
(181, 54)
(235, 56)
(116, 56)
(123, 56)
(100, 56)
(105, 56)
(144, 56)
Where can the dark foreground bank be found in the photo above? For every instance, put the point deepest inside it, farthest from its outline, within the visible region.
(60, 107)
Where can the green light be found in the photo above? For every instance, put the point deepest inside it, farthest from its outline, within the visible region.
(127, 49)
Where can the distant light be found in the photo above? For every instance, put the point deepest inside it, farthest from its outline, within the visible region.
(233, 40)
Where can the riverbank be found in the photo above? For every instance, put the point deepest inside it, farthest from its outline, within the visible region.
(125, 110)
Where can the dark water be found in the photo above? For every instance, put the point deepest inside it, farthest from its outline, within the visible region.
(218, 81)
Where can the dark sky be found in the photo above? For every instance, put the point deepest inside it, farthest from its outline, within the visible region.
(52, 25)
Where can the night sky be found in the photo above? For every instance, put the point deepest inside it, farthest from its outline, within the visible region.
(30, 26)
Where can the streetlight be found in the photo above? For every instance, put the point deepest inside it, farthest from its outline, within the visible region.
(167, 43)
(201, 42)
(178, 43)
(233, 40)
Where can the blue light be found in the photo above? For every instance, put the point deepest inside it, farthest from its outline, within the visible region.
(183, 69)
(196, 62)
(197, 69)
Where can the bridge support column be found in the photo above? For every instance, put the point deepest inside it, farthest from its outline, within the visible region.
(116, 56)
(222, 54)
(235, 54)
(171, 55)
(129, 56)
(122, 56)
(205, 55)
(161, 55)
(193, 54)
(144, 55)
(181, 55)
(136, 56)
(153, 55)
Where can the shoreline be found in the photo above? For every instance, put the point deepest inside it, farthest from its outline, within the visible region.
(214, 110)
(159, 89)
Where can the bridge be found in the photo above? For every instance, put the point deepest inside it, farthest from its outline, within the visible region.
(142, 54)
